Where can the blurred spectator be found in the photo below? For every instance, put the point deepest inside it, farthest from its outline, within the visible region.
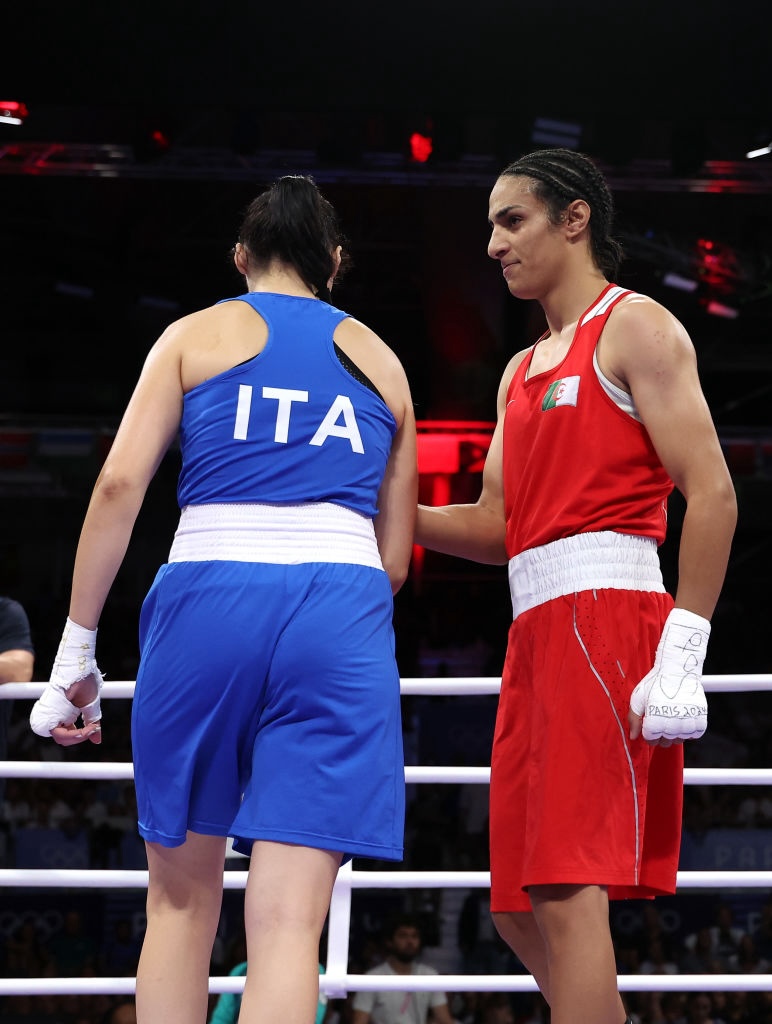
(725, 935)
(465, 1007)
(649, 932)
(482, 949)
(15, 807)
(698, 956)
(763, 1008)
(536, 1011)
(657, 961)
(403, 945)
(59, 810)
(699, 1009)
(473, 809)
(430, 825)
(89, 1007)
(762, 935)
(673, 1006)
(121, 953)
(25, 1009)
(496, 1008)
(747, 959)
(72, 951)
(94, 807)
(660, 1008)
(738, 1009)
(123, 1012)
(628, 958)
(17, 660)
(25, 953)
(754, 810)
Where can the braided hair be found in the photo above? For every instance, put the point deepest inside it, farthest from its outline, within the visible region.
(292, 221)
(560, 176)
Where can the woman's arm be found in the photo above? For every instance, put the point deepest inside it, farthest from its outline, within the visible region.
(653, 356)
(147, 429)
(16, 666)
(397, 499)
(398, 493)
(650, 353)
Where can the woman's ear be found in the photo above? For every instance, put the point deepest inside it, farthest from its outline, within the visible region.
(240, 259)
(337, 256)
(576, 217)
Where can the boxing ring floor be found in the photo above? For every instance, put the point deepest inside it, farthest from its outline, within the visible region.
(337, 982)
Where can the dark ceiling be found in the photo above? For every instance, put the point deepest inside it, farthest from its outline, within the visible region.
(628, 58)
(103, 240)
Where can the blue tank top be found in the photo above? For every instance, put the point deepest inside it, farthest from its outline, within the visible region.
(290, 425)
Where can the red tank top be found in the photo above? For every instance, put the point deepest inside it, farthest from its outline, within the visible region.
(574, 462)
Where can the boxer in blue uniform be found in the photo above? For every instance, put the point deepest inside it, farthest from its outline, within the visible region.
(293, 428)
(267, 698)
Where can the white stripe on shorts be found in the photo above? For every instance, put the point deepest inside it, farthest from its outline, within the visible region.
(280, 534)
(586, 561)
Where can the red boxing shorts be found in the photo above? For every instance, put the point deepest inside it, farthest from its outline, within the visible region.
(573, 800)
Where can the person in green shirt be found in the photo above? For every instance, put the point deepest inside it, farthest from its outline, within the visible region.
(226, 1010)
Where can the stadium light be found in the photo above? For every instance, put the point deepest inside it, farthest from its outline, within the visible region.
(12, 112)
(762, 151)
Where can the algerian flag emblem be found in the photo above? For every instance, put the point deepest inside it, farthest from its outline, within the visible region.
(561, 392)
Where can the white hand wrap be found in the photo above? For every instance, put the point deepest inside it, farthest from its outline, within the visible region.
(74, 661)
(670, 698)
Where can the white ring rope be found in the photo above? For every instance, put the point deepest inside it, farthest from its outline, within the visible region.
(338, 987)
(457, 686)
(125, 878)
(413, 773)
(337, 983)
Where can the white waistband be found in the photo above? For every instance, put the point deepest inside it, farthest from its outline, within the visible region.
(586, 561)
(280, 534)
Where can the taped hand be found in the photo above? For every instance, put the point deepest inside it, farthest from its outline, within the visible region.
(72, 691)
(669, 703)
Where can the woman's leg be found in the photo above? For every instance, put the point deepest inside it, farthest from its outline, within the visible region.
(521, 933)
(574, 923)
(287, 899)
(184, 898)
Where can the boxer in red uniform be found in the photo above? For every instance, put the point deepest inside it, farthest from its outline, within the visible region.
(602, 682)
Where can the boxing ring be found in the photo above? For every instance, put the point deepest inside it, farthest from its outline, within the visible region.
(337, 982)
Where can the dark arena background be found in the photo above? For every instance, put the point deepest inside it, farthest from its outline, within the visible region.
(145, 130)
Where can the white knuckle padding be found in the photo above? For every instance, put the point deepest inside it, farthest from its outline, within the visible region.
(51, 709)
(74, 661)
(670, 698)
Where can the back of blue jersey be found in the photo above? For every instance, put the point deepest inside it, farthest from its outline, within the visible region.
(290, 425)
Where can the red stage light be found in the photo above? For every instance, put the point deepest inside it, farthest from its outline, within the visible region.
(12, 112)
(160, 140)
(420, 147)
(453, 446)
(715, 308)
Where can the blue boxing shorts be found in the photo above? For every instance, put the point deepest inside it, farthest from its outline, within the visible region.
(267, 707)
